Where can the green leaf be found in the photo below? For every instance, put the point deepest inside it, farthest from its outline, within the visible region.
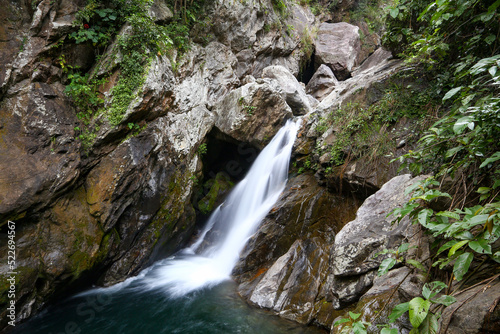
(463, 123)
(481, 246)
(430, 325)
(431, 289)
(447, 245)
(358, 328)
(448, 214)
(416, 264)
(492, 70)
(341, 321)
(493, 158)
(403, 248)
(389, 331)
(398, 311)
(483, 190)
(353, 315)
(477, 220)
(418, 309)
(386, 265)
(452, 151)
(494, 6)
(445, 300)
(451, 93)
(496, 257)
(462, 265)
(424, 215)
(456, 247)
(394, 12)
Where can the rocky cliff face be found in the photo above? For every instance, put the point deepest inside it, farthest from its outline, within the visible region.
(100, 210)
(104, 211)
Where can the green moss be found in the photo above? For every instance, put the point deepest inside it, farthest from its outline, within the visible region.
(80, 262)
(217, 186)
(133, 75)
(172, 207)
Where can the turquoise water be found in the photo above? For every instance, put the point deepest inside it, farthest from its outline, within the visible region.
(211, 310)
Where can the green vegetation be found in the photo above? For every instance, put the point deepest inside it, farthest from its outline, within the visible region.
(356, 125)
(249, 109)
(352, 325)
(202, 149)
(98, 23)
(280, 7)
(455, 43)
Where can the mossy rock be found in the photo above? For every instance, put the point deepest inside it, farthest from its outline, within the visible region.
(219, 187)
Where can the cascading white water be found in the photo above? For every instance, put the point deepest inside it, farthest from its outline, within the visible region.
(238, 217)
(235, 220)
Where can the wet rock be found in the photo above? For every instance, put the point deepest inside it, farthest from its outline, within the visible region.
(322, 82)
(294, 93)
(64, 246)
(347, 290)
(218, 188)
(33, 172)
(338, 46)
(377, 303)
(372, 231)
(290, 286)
(298, 231)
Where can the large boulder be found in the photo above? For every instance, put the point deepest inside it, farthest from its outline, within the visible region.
(338, 46)
(356, 245)
(43, 162)
(252, 113)
(293, 91)
(290, 286)
(322, 83)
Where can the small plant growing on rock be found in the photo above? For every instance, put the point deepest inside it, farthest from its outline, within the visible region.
(202, 149)
(352, 325)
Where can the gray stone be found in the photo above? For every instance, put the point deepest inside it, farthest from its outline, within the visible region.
(338, 46)
(160, 12)
(293, 91)
(252, 113)
(380, 55)
(476, 311)
(322, 82)
(290, 286)
(372, 231)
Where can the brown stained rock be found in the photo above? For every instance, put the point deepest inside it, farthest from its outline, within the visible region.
(40, 157)
(65, 244)
(290, 286)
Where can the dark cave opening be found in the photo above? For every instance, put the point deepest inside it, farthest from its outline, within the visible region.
(307, 70)
(228, 156)
(225, 163)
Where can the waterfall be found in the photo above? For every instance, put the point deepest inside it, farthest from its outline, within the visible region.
(238, 217)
